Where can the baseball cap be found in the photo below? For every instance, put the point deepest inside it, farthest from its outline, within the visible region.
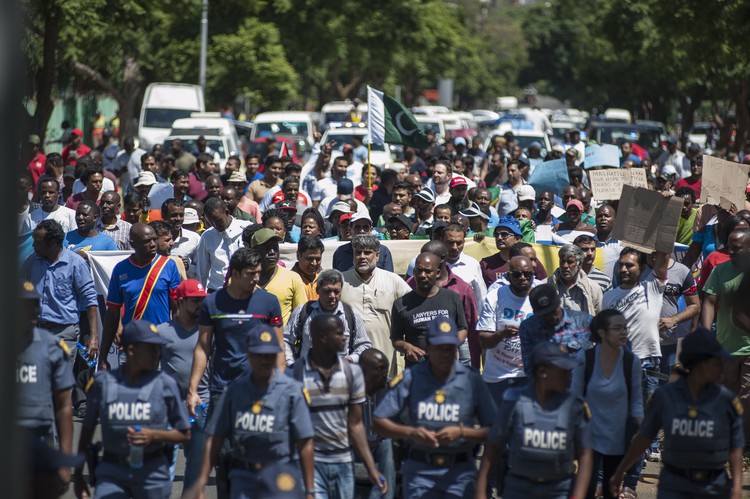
(459, 141)
(347, 148)
(277, 197)
(510, 223)
(458, 180)
(140, 331)
(442, 331)
(426, 194)
(361, 216)
(344, 217)
(28, 291)
(262, 236)
(286, 205)
(279, 481)
(702, 342)
(474, 211)
(552, 353)
(34, 139)
(69, 172)
(262, 339)
(544, 299)
(572, 151)
(558, 148)
(524, 160)
(339, 206)
(403, 219)
(77, 132)
(345, 186)
(576, 203)
(526, 193)
(672, 139)
(190, 288)
(190, 217)
(145, 178)
(668, 170)
(237, 176)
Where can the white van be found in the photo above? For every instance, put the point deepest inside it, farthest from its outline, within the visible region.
(163, 103)
(299, 123)
(220, 133)
(338, 111)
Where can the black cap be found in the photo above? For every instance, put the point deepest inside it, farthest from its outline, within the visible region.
(345, 187)
(140, 331)
(544, 299)
(400, 219)
(702, 342)
(552, 353)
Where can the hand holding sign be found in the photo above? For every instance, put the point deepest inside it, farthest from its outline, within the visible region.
(646, 220)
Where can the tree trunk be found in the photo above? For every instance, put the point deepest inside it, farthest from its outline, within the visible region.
(743, 115)
(45, 78)
(688, 105)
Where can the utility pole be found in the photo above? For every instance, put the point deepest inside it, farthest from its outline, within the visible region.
(204, 44)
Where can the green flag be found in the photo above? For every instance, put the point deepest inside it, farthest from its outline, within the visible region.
(389, 122)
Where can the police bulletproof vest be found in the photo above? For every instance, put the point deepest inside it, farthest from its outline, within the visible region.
(541, 449)
(34, 379)
(122, 407)
(260, 428)
(693, 438)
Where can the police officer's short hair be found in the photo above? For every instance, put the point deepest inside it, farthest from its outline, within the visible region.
(602, 320)
(366, 241)
(571, 250)
(53, 231)
(329, 276)
(307, 243)
(244, 257)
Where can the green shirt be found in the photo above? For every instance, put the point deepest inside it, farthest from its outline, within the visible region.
(723, 283)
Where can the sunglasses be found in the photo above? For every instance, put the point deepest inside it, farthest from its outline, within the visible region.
(517, 274)
(504, 235)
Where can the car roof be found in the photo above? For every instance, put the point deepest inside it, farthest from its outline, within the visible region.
(283, 115)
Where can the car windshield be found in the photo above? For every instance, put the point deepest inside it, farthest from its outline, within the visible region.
(430, 125)
(163, 118)
(648, 139)
(214, 143)
(286, 127)
(525, 142)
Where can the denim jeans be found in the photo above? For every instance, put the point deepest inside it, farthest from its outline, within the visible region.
(464, 356)
(668, 358)
(383, 456)
(193, 450)
(334, 480)
(649, 384)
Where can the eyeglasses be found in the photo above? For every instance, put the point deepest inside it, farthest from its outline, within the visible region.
(504, 235)
(517, 274)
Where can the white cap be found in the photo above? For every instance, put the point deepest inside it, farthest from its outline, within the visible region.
(361, 216)
(145, 178)
(668, 170)
(190, 217)
(526, 193)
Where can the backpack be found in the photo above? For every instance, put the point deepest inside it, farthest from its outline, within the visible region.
(302, 318)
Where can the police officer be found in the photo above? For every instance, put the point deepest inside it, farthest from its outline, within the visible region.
(265, 414)
(45, 384)
(546, 429)
(702, 424)
(137, 406)
(434, 406)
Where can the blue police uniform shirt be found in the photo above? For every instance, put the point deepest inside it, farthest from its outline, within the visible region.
(421, 399)
(263, 424)
(232, 321)
(697, 434)
(343, 258)
(117, 405)
(64, 287)
(42, 369)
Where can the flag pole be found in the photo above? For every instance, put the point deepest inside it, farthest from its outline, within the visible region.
(369, 139)
(369, 176)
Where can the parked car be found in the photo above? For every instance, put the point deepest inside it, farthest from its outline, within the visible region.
(163, 103)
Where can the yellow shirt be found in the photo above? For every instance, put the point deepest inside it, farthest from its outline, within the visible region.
(310, 286)
(288, 288)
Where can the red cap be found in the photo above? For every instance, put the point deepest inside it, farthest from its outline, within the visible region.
(345, 216)
(277, 198)
(458, 181)
(190, 288)
(348, 147)
(574, 202)
(77, 132)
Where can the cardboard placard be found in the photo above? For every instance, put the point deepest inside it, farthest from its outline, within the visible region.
(607, 184)
(724, 182)
(603, 155)
(646, 220)
(550, 176)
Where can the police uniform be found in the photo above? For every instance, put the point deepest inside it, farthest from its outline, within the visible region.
(42, 369)
(262, 425)
(154, 403)
(418, 398)
(543, 441)
(698, 434)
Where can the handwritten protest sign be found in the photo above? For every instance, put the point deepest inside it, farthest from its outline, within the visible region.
(646, 220)
(550, 176)
(603, 155)
(607, 184)
(724, 182)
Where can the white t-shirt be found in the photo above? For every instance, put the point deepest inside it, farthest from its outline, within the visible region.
(503, 308)
(64, 216)
(641, 307)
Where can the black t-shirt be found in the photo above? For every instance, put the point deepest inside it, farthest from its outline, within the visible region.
(412, 313)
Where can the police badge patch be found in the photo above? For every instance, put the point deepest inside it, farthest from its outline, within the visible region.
(440, 396)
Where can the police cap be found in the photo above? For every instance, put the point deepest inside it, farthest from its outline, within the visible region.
(442, 331)
(140, 331)
(552, 353)
(262, 340)
(702, 343)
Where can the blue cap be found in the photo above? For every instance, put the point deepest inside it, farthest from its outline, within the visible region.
(510, 223)
(279, 481)
(552, 353)
(524, 160)
(442, 331)
(536, 144)
(459, 141)
(702, 342)
(262, 340)
(140, 331)
(344, 186)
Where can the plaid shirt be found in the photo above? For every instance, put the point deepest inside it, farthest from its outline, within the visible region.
(572, 331)
(120, 232)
